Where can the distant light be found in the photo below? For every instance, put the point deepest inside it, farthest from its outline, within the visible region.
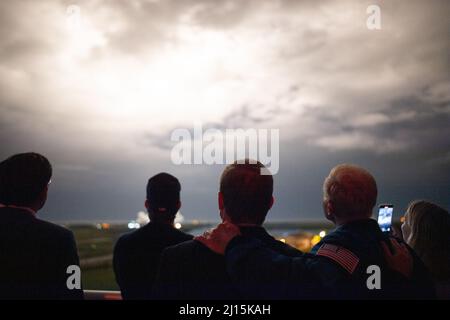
(178, 225)
(133, 225)
(283, 240)
(402, 219)
(99, 226)
(142, 218)
(322, 233)
(315, 240)
(103, 226)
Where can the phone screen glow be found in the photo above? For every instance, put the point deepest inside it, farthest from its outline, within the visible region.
(385, 218)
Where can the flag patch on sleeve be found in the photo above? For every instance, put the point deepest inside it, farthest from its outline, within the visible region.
(344, 257)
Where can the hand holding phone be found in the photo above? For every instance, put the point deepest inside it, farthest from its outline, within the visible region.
(385, 213)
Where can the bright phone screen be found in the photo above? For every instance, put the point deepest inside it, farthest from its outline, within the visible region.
(385, 217)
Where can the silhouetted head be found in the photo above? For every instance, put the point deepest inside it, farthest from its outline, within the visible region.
(24, 180)
(163, 197)
(349, 193)
(426, 229)
(245, 195)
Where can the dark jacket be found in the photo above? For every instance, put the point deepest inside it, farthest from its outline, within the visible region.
(193, 272)
(137, 255)
(34, 256)
(339, 272)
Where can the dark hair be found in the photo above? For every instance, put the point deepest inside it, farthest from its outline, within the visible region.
(23, 177)
(430, 236)
(247, 194)
(163, 193)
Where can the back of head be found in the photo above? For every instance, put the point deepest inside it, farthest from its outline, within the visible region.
(23, 178)
(430, 236)
(247, 194)
(163, 195)
(352, 191)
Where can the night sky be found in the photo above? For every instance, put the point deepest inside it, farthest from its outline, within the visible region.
(99, 91)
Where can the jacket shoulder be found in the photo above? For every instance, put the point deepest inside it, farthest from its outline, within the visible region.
(185, 247)
(136, 236)
(191, 251)
(53, 229)
(287, 249)
(126, 241)
(182, 236)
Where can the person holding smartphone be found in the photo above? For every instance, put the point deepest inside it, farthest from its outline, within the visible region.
(340, 264)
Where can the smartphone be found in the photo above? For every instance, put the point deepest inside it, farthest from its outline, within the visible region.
(385, 213)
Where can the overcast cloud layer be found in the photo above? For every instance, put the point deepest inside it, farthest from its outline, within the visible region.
(100, 96)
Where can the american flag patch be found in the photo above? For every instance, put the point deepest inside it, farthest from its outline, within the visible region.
(345, 258)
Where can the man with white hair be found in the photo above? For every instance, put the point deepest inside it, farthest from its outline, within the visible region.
(352, 262)
(350, 193)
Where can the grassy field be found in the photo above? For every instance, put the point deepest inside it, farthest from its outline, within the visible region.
(94, 242)
(99, 279)
(95, 248)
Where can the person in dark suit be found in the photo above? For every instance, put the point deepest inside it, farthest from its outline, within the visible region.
(34, 254)
(137, 254)
(190, 270)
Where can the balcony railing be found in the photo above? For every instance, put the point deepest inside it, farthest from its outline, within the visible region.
(102, 295)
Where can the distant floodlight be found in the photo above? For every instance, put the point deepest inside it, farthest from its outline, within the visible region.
(179, 218)
(133, 225)
(178, 225)
(105, 226)
(322, 233)
(142, 218)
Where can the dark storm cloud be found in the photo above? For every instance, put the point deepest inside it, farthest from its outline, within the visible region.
(242, 117)
(406, 125)
(102, 103)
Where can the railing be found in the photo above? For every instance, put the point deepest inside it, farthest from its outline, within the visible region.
(102, 295)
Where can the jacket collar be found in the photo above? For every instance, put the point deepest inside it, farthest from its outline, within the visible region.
(254, 231)
(29, 210)
(360, 225)
(353, 235)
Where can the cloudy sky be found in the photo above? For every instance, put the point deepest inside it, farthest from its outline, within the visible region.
(98, 87)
